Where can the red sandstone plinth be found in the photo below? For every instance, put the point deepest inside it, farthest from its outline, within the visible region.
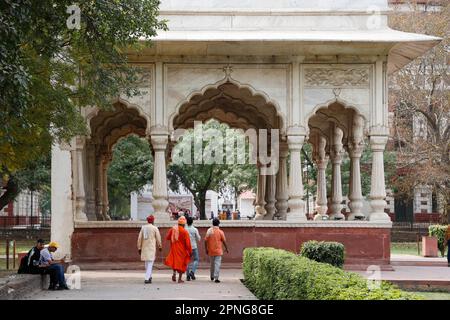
(429, 246)
(115, 242)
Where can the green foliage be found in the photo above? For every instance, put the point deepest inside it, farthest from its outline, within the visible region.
(327, 252)
(48, 71)
(275, 274)
(197, 176)
(131, 168)
(439, 231)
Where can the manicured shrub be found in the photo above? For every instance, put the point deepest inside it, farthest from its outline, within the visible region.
(439, 231)
(277, 274)
(327, 252)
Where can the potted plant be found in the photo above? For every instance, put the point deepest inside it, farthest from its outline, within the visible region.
(438, 231)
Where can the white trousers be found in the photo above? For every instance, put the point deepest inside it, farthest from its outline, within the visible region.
(148, 269)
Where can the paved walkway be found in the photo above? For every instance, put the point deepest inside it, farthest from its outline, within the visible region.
(106, 285)
(413, 260)
(414, 273)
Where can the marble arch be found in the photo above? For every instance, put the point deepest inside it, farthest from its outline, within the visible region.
(232, 94)
(106, 128)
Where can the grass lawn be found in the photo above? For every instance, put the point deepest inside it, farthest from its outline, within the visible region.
(406, 248)
(433, 295)
(21, 245)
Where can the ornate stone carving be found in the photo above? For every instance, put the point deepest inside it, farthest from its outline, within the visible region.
(336, 78)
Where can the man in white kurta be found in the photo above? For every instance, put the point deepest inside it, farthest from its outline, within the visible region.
(149, 238)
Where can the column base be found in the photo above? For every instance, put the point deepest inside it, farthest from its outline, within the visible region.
(296, 216)
(356, 216)
(81, 216)
(337, 216)
(318, 217)
(161, 217)
(379, 216)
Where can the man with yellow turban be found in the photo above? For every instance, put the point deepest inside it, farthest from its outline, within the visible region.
(180, 249)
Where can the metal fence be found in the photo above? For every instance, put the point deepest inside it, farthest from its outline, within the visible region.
(412, 225)
(24, 222)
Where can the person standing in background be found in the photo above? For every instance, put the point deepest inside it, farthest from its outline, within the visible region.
(149, 238)
(214, 240)
(195, 238)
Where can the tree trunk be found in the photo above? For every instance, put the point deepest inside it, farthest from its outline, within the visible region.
(202, 202)
(12, 190)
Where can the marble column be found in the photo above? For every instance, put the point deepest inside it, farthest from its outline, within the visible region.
(296, 203)
(271, 185)
(159, 139)
(260, 195)
(90, 182)
(355, 149)
(80, 206)
(355, 192)
(99, 188)
(377, 186)
(62, 204)
(336, 181)
(321, 160)
(282, 184)
(106, 161)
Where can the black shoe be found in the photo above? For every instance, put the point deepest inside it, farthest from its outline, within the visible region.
(192, 275)
(62, 288)
(148, 281)
(217, 281)
(52, 287)
(188, 277)
(212, 279)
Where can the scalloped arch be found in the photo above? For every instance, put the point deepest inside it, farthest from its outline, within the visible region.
(229, 80)
(341, 102)
(94, 112)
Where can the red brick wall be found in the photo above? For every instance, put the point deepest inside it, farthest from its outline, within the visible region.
(364, 246)
(427, 217)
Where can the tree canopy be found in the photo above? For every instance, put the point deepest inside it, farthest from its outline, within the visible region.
(50, 68)
(420, 95)
(130, 169)
(201, 177)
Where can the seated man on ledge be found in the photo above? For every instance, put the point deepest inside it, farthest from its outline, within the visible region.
(47, 261)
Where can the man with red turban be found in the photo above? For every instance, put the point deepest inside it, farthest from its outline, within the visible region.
(149, 238)
(180, 249)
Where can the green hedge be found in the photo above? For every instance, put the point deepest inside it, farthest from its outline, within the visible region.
(277, 274)
(327, 252)
(439, 231)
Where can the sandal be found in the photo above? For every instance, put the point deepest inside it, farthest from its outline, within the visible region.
(180, 281)
(174, 278)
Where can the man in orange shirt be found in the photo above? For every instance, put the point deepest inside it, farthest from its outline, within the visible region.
(213, 246)
(180, 249)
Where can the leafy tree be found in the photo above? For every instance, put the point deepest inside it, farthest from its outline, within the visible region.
(199, 178)
(36, 178)
(49, 71)
(420, 96)
(130, 169)
(240, 178)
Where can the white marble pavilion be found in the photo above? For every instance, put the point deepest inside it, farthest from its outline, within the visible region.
(315, 70)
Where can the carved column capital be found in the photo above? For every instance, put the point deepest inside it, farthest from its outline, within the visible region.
(159, 142)
(378, 143)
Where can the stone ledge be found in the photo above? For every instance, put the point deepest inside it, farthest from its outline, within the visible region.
(17, 286)
(241, 223)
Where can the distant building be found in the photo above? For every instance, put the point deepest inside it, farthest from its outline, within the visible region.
(245, 204)
(23, 212)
